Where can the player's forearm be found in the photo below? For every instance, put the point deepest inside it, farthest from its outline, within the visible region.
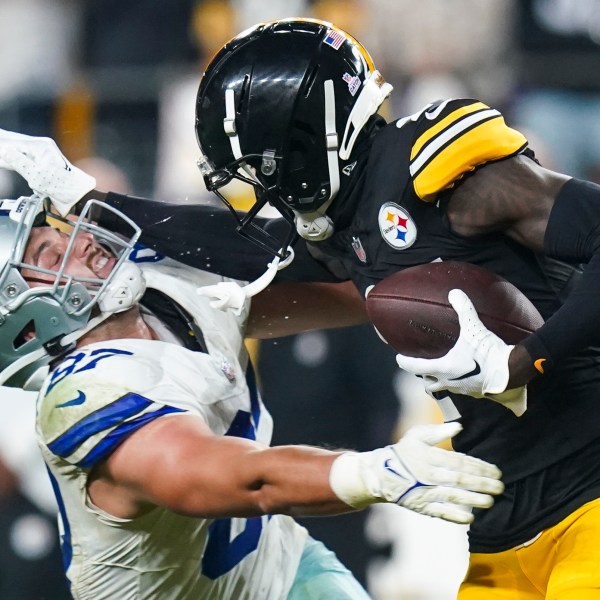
(293, 480)
(413, 473)
(572, 235)
(289, 308)
(240, 478)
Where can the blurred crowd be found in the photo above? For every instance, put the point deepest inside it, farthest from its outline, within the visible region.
(114, 84)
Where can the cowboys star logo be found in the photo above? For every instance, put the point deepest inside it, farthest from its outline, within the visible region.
(397, 227)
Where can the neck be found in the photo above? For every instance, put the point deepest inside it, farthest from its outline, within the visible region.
(125, 325)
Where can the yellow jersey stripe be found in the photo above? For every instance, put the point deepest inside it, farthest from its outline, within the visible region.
(446, 137)
(445, 122)
(448, 162)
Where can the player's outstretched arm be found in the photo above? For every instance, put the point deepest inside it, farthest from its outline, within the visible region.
(178, 463)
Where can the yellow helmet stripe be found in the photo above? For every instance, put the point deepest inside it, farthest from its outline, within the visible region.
(363, 51)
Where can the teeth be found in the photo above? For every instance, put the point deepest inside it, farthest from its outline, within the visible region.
(101, 262)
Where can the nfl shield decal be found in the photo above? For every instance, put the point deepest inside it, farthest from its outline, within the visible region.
(358, 248)
(397, 227)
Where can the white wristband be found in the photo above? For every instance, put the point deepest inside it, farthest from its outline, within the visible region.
(347, 483)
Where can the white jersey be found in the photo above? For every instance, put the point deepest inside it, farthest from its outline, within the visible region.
(100, 394)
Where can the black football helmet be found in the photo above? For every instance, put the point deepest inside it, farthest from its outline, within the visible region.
(281, 107)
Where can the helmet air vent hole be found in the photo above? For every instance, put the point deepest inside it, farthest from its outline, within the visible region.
(25, 335)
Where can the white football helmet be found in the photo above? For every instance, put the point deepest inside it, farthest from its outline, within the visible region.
(41, 322)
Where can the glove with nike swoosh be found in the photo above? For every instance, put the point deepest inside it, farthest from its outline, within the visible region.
(417, 475)
(476, 366)
(47, 172)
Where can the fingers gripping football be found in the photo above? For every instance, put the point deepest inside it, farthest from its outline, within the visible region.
(476, 366)
(415, 474)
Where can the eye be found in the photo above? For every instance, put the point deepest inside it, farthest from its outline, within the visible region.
(50, 258)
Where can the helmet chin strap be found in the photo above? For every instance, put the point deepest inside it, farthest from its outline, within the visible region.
(230, 129)
(230, 295)
(317, 226)
(314, 227)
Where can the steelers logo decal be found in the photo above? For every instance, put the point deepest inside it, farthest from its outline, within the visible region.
(397, 227)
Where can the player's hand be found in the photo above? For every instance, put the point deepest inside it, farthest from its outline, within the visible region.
(225, 295)
(416, 474)
(476, 366)
(46, 170)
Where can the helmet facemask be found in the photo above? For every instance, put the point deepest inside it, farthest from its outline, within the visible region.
(247, 225)
(44, 311)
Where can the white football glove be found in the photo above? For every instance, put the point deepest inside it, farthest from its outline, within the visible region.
(476, 366)
(414, 473)
(47, 172)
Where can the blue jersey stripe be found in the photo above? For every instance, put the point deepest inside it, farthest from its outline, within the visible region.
(102, 419)
(253, 389)
(245, 423)
(119, 434)
(242, 426)
(66, 545)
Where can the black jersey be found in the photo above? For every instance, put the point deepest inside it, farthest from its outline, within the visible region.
(399, 220)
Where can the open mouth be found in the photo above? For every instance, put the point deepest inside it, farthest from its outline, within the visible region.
(103, 265)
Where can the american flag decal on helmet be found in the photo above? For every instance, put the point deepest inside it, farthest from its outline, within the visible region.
(334, 39)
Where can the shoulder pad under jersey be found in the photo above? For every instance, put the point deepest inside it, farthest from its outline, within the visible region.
(452, 138)
(93, 401)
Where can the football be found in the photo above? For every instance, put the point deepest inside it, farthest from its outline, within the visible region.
(411, 312)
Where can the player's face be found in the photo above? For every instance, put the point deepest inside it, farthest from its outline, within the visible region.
(46, 249)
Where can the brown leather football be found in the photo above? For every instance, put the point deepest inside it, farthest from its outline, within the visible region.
(411, 312)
